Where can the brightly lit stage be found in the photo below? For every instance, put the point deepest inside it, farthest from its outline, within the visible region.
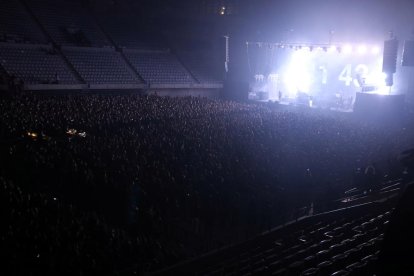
(328, 75)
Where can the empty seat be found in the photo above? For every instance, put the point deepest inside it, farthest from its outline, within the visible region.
(336, 248)
(301, 254)
(296, 267)
(310, 272)
(279, 272)
(369, 258)
(325, 268)
(159, 67)
(310, 261)
(354, 254)
(314, 248)
(322, 255)
(356, 268)
(100, 65)
(204, 66)
(35, 64)
(325, 243)
(271, 258)
(340, 260)
(340, 273)
(275, 265)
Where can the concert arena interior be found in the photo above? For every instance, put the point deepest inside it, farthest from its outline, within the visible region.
(207, 137)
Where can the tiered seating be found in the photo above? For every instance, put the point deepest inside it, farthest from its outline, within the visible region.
(124, 32)
(100, 66)
(35, 64)
(15, 24)
(345, 246)
(159, 67)
(68, 23)
(202, 67)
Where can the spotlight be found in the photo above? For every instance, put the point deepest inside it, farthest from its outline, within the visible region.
(362, 49)
(332, 49)
(222, 10)
(348, 49)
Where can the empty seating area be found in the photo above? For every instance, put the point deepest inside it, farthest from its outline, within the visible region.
(100, 65)
(159, 67)
(68, 23)
(35, 64)
(91, 54)
(341, 246)
(16, 24)
(203, 67)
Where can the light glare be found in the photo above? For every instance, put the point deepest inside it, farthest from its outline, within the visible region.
(297, 78)
(347, 49)
(362, 49)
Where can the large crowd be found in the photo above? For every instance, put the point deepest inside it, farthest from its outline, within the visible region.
(95, 183)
